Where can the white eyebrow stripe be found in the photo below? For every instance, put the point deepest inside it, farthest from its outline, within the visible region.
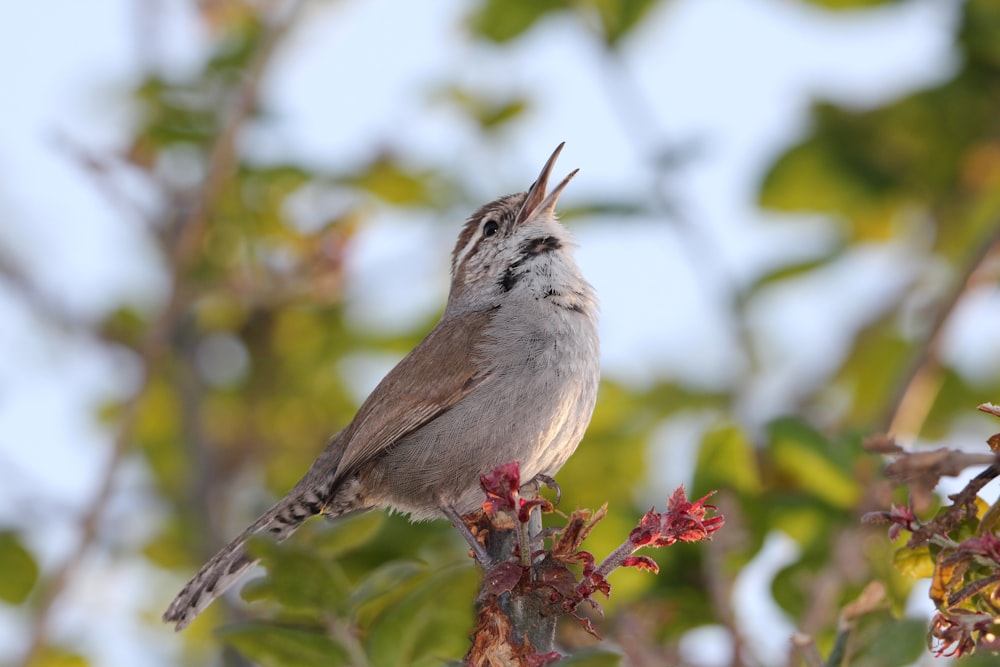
(460, 257)
(475, 238)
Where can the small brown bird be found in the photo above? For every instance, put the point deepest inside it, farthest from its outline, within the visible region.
(510, 373)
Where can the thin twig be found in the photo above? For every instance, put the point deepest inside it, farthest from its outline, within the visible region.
(719, 583)
(919, 384)
(989, 409)
(805, 645)
(39, 302)
(221, 159)
(638, 120)
(844, 566)
(60, 580)
(100, 168)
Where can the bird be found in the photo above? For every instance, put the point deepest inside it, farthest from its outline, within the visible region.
(509, 373)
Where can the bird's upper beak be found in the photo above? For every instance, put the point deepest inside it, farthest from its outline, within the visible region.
(537, 203)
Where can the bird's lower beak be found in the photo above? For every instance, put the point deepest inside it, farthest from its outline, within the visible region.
(536, 202)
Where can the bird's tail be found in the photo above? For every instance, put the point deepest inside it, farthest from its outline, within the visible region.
(308, 498)
(227, 566)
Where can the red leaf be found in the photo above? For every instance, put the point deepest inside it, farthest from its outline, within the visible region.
(683, 521)
(641, 563)
(986, 546)
(901, 518)
(584, 559)
(591, 583)
(501, 487)
(601, 584)
(587, 625)
(524, 513)
(502, 578)
(579, 525)
(558, 577)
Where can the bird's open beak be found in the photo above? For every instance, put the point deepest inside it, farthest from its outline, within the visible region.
(537, 203)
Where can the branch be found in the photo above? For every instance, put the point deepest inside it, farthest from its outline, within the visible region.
(100, 169)
(964, 564)
(523, 597)
(37, 301)
(805, 645)
(919, 385)
(191, 221)
(718, 577)
(921, 471)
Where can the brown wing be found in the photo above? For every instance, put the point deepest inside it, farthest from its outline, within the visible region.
(436, 375)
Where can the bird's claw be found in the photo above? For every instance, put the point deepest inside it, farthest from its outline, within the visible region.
(540, 480)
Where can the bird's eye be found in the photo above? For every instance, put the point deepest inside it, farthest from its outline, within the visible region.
(490, 228)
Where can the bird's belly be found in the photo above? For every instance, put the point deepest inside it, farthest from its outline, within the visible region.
(533, 411)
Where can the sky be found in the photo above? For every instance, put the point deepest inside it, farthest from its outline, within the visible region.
(734, 77)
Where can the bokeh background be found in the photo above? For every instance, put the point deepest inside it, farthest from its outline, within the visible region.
(221, 221)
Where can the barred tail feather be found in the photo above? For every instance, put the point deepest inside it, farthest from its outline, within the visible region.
(308, 498)
(227, 566)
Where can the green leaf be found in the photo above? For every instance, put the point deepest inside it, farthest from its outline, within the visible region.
(125, 325)
(786, 588)
(822, 174)
(391, 181)
(277, 646)
(347, 534)
(917, 563)
(592, 658)
(384, 586)
(52, 656)
(794, 270)
(488, 113)
(880, 640)
(298, 578)
(157, 433)
(20, 572)
(981, 31)
(619, 17)
(504, 20)
(805, 457)
(727, 459)
(850, 4)
(427, 626)
(981, 659)
(953, 398)
(171, 547)
(803, 519)
(871, 372)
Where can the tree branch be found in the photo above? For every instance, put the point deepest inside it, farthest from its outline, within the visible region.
(919, 384)
(519, 604)
(191, 222)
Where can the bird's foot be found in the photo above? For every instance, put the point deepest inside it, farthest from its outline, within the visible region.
(540, 480)
(478, 549)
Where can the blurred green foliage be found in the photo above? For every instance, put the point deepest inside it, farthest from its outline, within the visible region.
(354, 589)
(19, 568)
